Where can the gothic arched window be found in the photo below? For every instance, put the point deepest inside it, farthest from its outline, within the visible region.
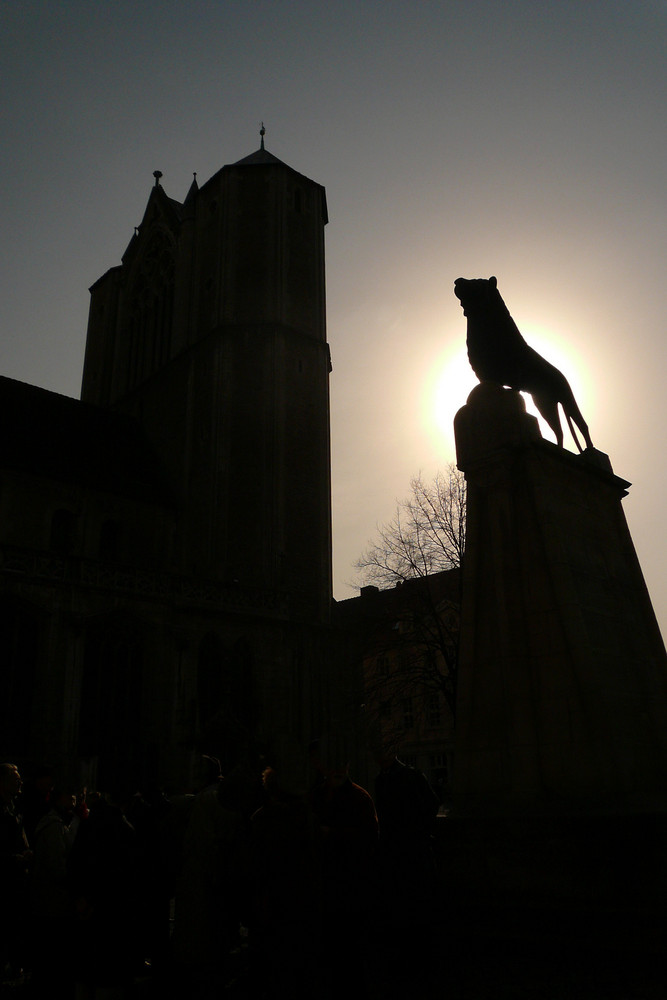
(150, 308)
(109, 548)
(224, 698)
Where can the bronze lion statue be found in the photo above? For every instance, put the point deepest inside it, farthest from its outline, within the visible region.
(498, 353)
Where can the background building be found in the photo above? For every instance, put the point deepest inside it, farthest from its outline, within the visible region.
(406, 638)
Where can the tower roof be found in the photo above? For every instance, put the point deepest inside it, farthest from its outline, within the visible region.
(260, 156)
(263, 158)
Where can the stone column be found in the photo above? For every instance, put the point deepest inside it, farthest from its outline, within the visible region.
(562, 703)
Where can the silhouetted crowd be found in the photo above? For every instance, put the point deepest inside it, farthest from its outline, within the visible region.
(250, 883)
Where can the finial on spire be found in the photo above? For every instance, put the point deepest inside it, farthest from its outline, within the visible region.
(157, 174)
(262, 133)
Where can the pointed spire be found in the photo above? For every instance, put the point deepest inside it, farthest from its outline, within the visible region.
(262, 133)
(192, 193)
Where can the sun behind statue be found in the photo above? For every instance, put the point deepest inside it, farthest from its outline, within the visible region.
(498, 353)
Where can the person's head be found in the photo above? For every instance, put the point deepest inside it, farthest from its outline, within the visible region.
(41, 780)
(10, 782)
(337, 773)
(63, 802)
(210, 771)
(330, 760)
(385, 754)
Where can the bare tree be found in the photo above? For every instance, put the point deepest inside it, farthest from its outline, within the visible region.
(425, 536)
(412, 649)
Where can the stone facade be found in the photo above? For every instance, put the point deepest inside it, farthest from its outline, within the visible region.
(165, 543)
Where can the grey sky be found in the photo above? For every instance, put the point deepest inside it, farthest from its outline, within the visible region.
(522, 139)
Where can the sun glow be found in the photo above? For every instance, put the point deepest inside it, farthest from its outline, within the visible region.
(449, 383)
(451, 379)
(550, 346)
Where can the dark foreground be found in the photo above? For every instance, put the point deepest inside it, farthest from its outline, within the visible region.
(477, 954)
(567, 911)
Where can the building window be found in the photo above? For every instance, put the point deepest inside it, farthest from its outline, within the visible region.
(209, 678)
(112, 696)
(63, 532)
(439, 769)
(20, 636)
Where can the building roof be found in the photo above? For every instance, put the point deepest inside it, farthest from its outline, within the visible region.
(263, 158)
(373, 604)
(260, 157)
(46, 434)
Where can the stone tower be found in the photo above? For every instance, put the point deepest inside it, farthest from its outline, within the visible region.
(212, 333)
(165, 542)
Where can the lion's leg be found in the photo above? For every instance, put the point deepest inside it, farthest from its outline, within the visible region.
(548, 407)
(572, 411)
(572, 430)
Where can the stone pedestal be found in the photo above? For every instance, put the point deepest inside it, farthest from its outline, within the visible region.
(562, 701)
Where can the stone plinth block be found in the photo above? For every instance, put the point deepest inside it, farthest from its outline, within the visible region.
(562, 699)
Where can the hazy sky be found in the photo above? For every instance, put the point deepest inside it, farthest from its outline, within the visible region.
(460, 137)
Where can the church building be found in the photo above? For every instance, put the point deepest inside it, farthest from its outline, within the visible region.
(165, 542)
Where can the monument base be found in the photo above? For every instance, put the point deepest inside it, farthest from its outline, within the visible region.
(562, 688)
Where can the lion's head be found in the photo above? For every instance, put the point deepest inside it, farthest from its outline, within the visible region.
(476, 292)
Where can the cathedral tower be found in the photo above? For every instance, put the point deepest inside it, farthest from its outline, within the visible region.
(212, 333)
